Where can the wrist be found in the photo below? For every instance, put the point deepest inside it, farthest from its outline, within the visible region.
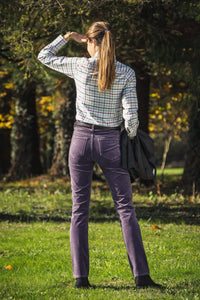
(67, 36)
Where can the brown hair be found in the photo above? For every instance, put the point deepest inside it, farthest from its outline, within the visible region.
(101, 32)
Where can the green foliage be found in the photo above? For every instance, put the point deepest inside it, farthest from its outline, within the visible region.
(136, 25)
(149, 35)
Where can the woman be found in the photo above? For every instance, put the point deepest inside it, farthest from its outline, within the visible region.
(106, 95)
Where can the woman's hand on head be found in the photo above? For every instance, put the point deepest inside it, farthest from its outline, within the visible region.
(79, 38)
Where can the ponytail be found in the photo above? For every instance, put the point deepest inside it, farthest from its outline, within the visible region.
(106, 56)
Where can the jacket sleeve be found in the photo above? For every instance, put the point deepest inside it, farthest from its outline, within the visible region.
(130, 105)
(62, 64)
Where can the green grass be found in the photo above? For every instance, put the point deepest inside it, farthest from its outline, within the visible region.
(46, 199)
(171, 171)
(39, 251)
(41, 266)
(169, 175)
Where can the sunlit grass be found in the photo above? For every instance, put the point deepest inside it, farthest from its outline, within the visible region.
(35, 258)
(39, 254)
(171, 171)
(46, 198)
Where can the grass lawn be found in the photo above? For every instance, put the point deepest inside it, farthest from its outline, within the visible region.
(35, 258)
(171, 171)
(41, 267)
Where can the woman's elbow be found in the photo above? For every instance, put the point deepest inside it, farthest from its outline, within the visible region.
(40, 56)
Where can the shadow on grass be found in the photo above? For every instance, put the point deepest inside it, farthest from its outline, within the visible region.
(127, 288)
(101, 212)
(175, 290)
(164, 213)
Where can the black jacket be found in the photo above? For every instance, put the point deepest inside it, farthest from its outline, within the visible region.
(137, 156)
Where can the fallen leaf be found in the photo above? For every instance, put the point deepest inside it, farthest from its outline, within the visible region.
(155, 227)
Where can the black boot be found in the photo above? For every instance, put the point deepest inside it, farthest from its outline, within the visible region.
(146, 281)
(82, 282)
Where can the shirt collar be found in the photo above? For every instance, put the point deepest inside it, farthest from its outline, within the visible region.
(96, 55)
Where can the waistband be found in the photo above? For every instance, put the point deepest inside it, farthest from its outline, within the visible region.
(87, 125)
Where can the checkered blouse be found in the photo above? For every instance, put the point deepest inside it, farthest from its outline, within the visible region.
(105, 108)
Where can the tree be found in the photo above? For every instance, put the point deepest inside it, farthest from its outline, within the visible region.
(20, 35)
(6, 119)
(191, 176)
(64, 118)
(25, 148)
(139, 42)
(170, 104)
(24, 137)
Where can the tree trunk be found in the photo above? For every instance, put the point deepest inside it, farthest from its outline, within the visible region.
(143, 88)
(191, 175)
(165, 152)
(64, 120)
(5, 151)
(24, 136)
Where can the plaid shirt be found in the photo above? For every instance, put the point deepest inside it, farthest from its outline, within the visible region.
(105, 108)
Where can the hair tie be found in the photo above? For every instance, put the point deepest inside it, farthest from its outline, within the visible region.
(107, 30)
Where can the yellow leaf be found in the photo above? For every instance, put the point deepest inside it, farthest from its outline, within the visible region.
(151, 128)
(45, 100)
(3, 73)
(169, 85)
(169, 106)
(8, 125)
(2, 119)
(50, 108)
(174, 98)
(3, 95)
(9, 85)
(154, 95)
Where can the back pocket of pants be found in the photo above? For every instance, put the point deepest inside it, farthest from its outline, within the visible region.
(109, 150)
(78, 148)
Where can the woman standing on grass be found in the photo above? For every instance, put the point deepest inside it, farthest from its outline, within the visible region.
(106, 94)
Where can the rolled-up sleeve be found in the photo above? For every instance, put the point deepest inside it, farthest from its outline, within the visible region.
(130, 105)
(62, 64)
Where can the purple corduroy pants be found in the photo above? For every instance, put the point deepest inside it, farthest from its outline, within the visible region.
(91, 145)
